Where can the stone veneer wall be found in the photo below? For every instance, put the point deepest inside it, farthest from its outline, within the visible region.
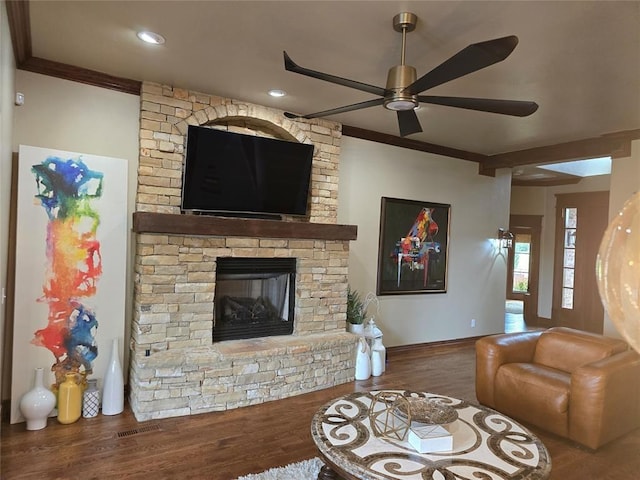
(175, 368)
(165, 116)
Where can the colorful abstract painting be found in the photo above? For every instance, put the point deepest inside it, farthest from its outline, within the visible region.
(70, 262)
(412, 255)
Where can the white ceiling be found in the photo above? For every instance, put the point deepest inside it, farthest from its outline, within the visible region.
(580, 61)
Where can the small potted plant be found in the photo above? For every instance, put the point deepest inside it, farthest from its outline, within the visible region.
(355, 312)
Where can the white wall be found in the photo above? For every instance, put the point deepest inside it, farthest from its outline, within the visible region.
(7, 72)
(64, 115)
(70, 116)
(476, 268)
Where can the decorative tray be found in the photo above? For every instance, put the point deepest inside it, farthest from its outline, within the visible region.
(427, 411)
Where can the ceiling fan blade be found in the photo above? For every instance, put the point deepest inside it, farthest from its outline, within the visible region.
(408, 122)
(333, 111)
(468, 60)
(515, 108)
(291, 66)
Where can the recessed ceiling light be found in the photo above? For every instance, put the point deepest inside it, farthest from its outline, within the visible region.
(151, 37)
(277, 93)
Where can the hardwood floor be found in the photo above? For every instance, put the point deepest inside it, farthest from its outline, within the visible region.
(225, 445)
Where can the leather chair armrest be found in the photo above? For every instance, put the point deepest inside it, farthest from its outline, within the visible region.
(496, 350)
(605, 399)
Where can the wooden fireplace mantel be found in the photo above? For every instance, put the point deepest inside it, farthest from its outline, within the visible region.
(181, 224)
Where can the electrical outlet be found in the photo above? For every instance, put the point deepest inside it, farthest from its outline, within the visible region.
(473, 323)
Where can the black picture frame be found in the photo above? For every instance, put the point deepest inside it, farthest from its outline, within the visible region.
(413, 247)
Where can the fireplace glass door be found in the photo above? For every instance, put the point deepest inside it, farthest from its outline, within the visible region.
(254, 297)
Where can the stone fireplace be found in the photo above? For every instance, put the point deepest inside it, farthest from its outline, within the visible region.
(176, 367)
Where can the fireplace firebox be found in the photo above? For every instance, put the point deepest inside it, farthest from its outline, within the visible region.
(254, 297)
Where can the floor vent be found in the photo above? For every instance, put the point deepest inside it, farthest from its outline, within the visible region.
(136, 431)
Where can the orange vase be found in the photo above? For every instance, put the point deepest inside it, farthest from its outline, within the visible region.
(69, 400)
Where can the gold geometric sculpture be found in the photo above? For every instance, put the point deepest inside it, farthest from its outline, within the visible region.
(383, 417)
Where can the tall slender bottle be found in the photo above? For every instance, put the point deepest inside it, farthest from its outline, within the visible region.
(113, 388)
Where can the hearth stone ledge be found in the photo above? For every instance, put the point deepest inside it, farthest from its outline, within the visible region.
(239, 373)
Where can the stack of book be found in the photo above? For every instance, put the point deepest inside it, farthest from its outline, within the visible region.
(430, 438)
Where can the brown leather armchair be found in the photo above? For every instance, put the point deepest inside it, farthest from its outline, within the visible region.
(579, 385)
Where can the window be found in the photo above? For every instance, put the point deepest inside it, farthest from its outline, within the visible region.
(521, 263)
(570, 215)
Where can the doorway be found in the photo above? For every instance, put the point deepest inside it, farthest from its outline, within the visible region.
(523, 265)
(581, 219)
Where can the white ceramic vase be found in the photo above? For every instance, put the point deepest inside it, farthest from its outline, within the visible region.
(91, 399)
(113, 388)
(363, 360)
(376, 363)
(379, 347)
(37, 403)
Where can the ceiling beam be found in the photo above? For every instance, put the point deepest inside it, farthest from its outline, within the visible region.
(616, 145)
(394, 140)
(550, 182)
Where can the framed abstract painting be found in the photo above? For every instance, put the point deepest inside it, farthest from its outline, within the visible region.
(413, 247)
(71, 257)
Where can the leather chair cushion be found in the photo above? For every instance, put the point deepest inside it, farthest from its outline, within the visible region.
(535, 394)
(567, 350)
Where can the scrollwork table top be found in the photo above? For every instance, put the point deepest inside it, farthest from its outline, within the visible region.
(486, 444)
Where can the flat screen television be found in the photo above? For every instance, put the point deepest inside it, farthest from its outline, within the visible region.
(243, 175)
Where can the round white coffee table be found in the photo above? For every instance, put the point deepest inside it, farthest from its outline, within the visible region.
(486, 445)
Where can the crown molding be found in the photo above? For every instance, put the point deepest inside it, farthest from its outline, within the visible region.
(20, 29)
(387, 139)
(81, 75)
(19, 26)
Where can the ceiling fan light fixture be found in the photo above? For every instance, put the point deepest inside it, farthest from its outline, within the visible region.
(400, 104)
(398, 78)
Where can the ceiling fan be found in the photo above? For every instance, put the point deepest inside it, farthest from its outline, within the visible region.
(402, 92)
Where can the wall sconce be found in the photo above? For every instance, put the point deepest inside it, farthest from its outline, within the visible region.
(505, 237)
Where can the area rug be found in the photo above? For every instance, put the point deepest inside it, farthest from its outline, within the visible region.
(513, 306)
(305, 470)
